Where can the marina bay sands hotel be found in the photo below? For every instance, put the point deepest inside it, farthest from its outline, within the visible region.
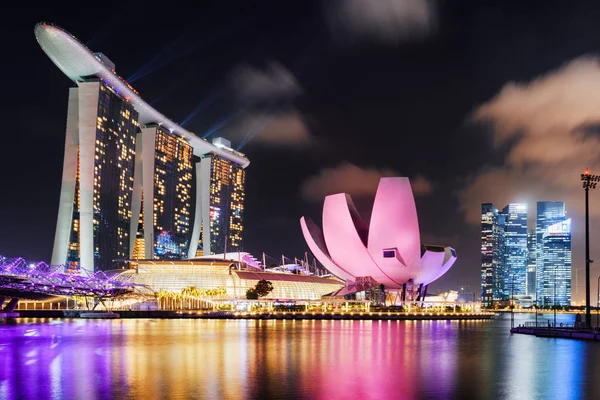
(135, 184)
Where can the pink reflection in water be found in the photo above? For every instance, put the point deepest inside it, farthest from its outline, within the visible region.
(238, 359)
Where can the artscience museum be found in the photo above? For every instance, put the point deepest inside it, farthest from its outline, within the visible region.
(386, 254)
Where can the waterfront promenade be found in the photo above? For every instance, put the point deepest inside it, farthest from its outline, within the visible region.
(547, 330)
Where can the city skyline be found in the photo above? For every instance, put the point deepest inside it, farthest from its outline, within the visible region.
(519, 261)
(341, 111)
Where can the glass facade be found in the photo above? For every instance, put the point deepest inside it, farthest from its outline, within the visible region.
(493, 271)
(515, 276)
(116, 127)
(172, 195)
(548, 213)
(227, 182)
(531, 260)
(489, 215)
(556, 285)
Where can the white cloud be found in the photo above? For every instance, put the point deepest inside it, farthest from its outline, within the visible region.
(389, 21)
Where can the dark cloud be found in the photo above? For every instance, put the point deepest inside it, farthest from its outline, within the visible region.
(354, 180)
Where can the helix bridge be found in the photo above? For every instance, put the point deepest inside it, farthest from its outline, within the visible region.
(37, 281)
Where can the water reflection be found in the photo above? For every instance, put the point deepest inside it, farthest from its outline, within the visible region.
(220, 359)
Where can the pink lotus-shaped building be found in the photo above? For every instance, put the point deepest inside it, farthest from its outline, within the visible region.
(387, 252)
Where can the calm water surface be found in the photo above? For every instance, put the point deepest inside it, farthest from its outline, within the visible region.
(246, 359)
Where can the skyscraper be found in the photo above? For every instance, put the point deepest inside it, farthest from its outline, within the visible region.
(531, 259)
(219, 205)
(515, 249)
(556, 275)
(163, 184)
(503, 252)
(492, 255)
(489, 213)
(548, 213)
(121, 153)
(95, 202)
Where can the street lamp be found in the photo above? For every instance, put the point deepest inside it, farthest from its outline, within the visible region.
(598, 303)
(589, 182)
(555, 268)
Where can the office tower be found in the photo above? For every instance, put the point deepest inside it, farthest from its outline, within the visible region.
(548, 213)
(556, 275)
(95, 201)
(219, 205)
(503, 252)
(515, 249)
(531, 259)
(163, 189)
(121, 153)
(489, 214)
(492, 255)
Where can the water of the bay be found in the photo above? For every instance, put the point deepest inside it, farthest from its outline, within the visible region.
(267, 359)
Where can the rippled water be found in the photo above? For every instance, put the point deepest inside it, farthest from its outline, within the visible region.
(238, 359)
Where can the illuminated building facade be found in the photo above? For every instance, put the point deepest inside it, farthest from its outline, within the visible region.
(493, 268)
(121, 153)
(164, 176)
(548, 213)
(531, 261)
(515, 249)
(556, 273)
(503, 252)
(220, 194)
(553, 253)
(95, 205)
(234, 277)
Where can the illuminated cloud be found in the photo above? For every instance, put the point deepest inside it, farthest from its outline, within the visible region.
(421, 186)
(277, 129)
(274, 83)
(270, 118)
(546, 123)
(353, 180)
(388, 21)
(548, 126)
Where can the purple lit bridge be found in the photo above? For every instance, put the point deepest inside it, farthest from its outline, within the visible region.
(40, 281)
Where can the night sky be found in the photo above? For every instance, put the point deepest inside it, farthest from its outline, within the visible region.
(475, 101)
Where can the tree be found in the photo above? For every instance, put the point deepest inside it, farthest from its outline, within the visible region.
(262, 288)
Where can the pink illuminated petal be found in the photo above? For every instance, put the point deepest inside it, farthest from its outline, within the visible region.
(316, 244)
(394, 224)
(345, 233)
(434, 264)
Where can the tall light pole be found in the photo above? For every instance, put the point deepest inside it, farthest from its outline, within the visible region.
(589, 182)
(598, 303)
(555, 268)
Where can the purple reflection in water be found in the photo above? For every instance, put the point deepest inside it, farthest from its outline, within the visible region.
(237, 359)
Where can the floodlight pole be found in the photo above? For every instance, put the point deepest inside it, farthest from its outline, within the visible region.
(589, 182)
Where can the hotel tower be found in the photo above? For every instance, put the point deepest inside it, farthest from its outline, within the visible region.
(135, 184)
